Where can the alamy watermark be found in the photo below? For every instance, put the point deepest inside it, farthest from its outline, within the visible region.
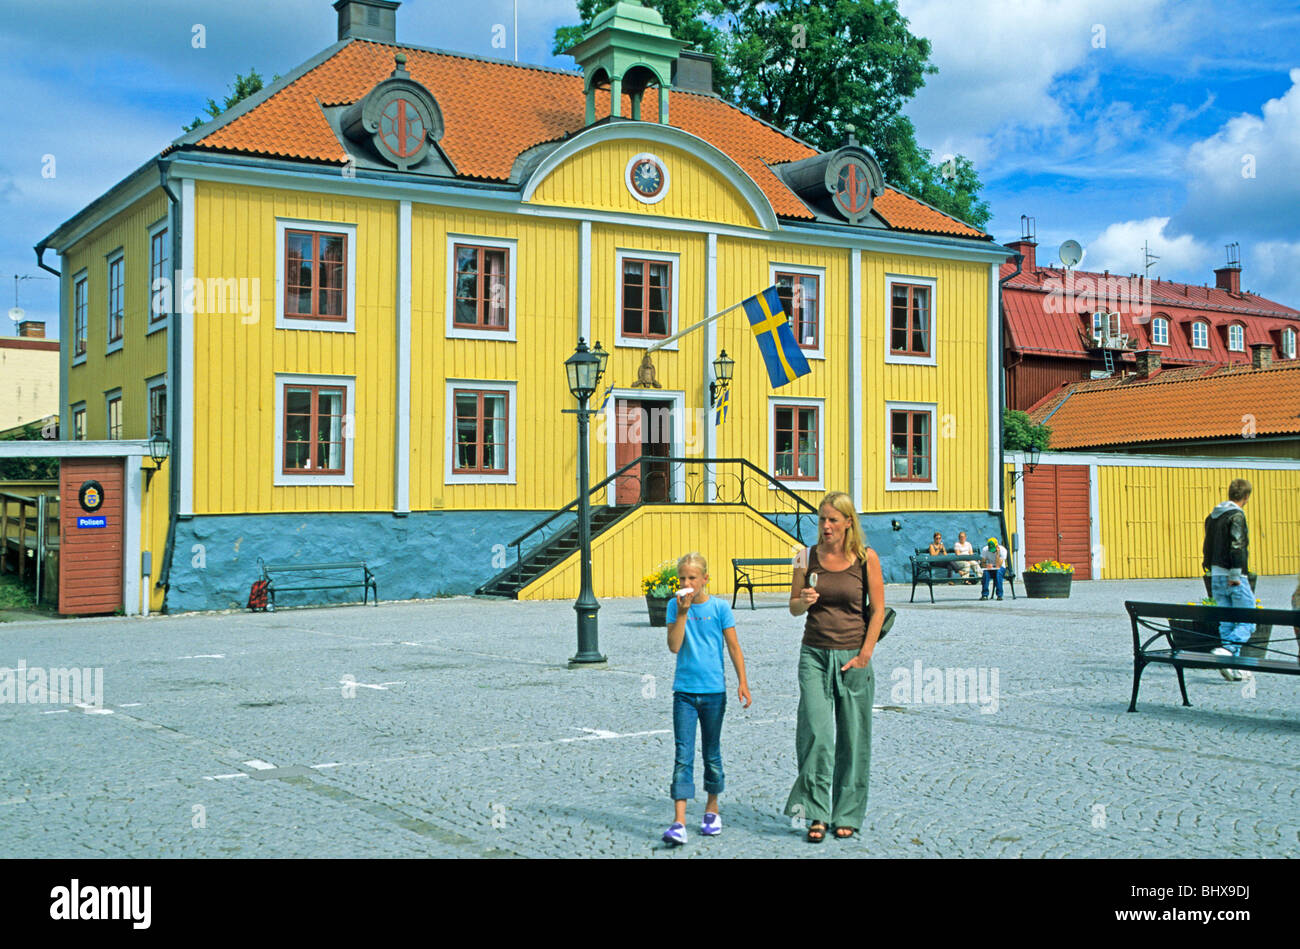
(35, 685)
(932, 685)
(1072, 294)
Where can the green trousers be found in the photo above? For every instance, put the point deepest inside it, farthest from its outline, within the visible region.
(832, 738)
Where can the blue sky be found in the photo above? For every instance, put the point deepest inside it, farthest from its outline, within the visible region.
(1109, 121)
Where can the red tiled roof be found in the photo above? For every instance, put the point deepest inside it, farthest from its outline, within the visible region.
(493, 111)
(1173, 405)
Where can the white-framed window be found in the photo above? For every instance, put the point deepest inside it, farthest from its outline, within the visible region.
(802, 291)
(80, 316)
(645, 298)
(1200, 335)
(1098, 325)
(1160, 331)
(1236, 338)
(481, 287)
(796, 453)
(910, 321)
(1288, 343)
(159, 298)
(315, 275)
(480, 432)
(156, 402)
(113, 414)
(78, 431)
(314, 429)
(115, 308)
(910, 449)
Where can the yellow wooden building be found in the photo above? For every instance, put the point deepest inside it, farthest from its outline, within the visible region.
(348, 301)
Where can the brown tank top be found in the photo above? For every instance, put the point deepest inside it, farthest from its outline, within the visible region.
(835, 621)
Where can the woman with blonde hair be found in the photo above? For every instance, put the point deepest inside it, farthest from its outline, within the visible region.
(838, 583)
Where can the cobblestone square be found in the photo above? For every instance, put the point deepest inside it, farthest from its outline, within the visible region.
(453, 728)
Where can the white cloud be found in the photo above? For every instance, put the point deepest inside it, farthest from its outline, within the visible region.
(1272, 269)
(1248, 173)
(1118, 249)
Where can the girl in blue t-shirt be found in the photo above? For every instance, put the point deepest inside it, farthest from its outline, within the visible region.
(698, 625)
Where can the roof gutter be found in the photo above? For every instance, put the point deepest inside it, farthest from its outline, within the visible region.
(40, 259)
(173, 368)
(1002, 397)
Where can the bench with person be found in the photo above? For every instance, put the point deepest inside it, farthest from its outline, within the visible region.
(299, 577)
(926, 567)
(1187, 637)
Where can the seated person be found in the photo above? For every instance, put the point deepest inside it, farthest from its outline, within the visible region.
(994, 561)
(937, 548)
(967, 568)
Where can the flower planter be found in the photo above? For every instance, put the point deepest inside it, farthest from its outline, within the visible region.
(1047, 586)
(658, 609)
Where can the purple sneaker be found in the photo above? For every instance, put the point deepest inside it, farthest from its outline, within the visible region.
(711, 826)
(675, 834)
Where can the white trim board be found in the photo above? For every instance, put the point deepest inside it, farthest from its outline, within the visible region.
(1121, 460)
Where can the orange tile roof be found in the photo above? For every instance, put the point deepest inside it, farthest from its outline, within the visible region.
(1174, 405)
(493, 111)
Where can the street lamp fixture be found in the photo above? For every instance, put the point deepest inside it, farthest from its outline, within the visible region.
(722, 367)
(1032, 454)
(159, 449)
(599, 353)
(584, 369)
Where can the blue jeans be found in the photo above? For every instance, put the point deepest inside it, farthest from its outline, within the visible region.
(1234, 634)
(997, 581)
(688, 708)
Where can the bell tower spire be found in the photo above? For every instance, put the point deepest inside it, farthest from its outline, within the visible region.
(628, 49)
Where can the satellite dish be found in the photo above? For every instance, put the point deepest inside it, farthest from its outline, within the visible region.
(16, 313)
(1071, 253)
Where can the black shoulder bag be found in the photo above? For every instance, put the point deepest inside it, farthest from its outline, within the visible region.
(890, 613)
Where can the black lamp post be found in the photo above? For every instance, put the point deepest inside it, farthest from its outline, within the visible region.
(159, 449)
(722, 367)
(584, 370)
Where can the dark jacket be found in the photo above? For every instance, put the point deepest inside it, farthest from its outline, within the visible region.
(1227, 543)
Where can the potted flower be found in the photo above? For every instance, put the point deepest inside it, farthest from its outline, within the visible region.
(659, 585)
(1048, 579)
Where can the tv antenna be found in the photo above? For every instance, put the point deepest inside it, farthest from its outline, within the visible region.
(1150, 259)
(16, 313)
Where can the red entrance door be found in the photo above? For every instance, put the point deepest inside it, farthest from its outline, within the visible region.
(1057, 523)
(643, 427)
(90, 541)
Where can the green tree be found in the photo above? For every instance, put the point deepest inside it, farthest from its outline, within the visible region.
(244, 86)
(1019, 433)
(820, 70)
(30, 469)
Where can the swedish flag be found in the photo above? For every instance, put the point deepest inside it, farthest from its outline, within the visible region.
(724, 402)
(771, 326)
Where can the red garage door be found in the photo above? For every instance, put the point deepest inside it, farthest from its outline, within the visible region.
(90, 535)
(1057, 525)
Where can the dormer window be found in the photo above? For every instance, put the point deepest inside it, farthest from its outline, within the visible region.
(399, 119)
(1288, 343)
(1237, 338)
(1200, 335)
(1160, 331)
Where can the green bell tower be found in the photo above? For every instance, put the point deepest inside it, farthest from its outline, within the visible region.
(627, 49)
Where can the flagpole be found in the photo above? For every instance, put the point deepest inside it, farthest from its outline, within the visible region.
(694, 326)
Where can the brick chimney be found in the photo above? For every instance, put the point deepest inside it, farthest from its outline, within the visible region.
(1025, 247)
(1148, 363)
(368, 20)
(1228, 278)
(32, 329)
(1261, 355)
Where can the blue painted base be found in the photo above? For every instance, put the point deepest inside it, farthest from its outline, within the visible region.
(421, 555)
(916, 529)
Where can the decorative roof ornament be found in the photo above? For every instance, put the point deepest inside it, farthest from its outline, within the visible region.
(628, 48)
(400, 118)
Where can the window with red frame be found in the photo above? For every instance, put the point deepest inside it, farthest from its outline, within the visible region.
(796, 457)
(79, 318)
(314, 441)
(481, 440)
(910, 456)
(115, 300)
(909, 320)
(482, 282)
(646, 298)
(315, 275)
(799, 295)
(158, 263)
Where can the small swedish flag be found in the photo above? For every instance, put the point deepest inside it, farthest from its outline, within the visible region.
(781, 354)
(724, 401)
(605, 401)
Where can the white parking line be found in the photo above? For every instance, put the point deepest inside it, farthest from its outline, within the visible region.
(215, 655)
(259, 764)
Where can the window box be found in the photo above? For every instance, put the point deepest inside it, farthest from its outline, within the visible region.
(910, 320)
(480, 436)
(313, 429)
(481, 288)
(315, 277)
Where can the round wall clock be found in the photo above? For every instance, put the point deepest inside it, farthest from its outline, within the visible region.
(646, 178)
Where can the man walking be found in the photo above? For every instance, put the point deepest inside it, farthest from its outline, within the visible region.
(1225, 554)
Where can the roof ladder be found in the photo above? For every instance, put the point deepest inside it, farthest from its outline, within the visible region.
(1110, 361)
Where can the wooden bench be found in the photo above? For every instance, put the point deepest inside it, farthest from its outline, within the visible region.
(344, 575)
(923, 570)
(760, 572)
(1182, 635)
